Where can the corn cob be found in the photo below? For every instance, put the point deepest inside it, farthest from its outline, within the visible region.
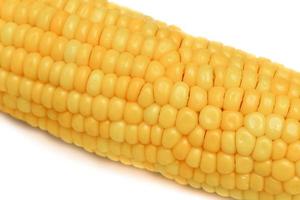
(127, 87)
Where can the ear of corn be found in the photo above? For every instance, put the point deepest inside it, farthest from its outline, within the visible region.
(134, 90)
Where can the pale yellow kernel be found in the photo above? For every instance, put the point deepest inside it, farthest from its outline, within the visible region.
(210, 117)
(208, 162)
(173, 168)
(94, 83)
(85, 105)
(263, 168)
(164, 46)
(197, 99)
(117, 131)
(186, 120)
(12, 84)
(267, 102)
(228, 142)
(294, 111)
(67, 76)
(283, 170)
(139, 66)
(162, 90)
(212, 140)
(58, 48)
(133, 113)
(205, 77)
(107, 36)
(292, 186)
(55, 72)
(60, 100)
(47, 96)
(144, 132)
(216, 96)
(196, 137)
(134, 43)
(225, 163)
(201, 56)
(124, 64)
(73, 102)
(121, 86)
(78, 123)
(231, 120)
(102, 145)
(170, 58)
(108, 85)
(154, 71)
(244, 164)
(272, 186)
(71, 51)
(228, 181)
(156, 135)
(279, 149)
(23, 105)
(164, 156)
(255, 123)
(30, 65)
(181, 149)
(245, 142)
(282, 105)
(233, 99)
(7, 32)
(44, 69)
(242, 181)
(109, 61)
(274, 126)
(250, 101)
(167, 116)
(146, 97)
(151, 114)
(293, 152)
(131, 134)
(70, 26)
(120, 39)
(256, 182)
(81, 77)
(94, 34)
(233, 77)
(170, 138)
(134, 88)
(291, 131)
(263, 149)
(190, 74)
(91, 126)
(179, 95)
(98, 14)
(116, 109)
(151, 153)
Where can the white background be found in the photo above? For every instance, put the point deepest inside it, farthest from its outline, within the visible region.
(36, 166)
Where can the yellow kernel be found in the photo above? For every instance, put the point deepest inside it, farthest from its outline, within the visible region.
(294, 111)
(146, 97)
(71, 51)
(225, 163)
(210, 117)
(151, 114)
(31, 64)
(233, 76)
(212, 141)
(23, 105)
(228, 181)
(73, 102)
(138, 153)
(131, 134)
(109, 61)
(190, 74)
(13, 84)
(201, 56)
(293, 153)
(91, 126)
(150, 153)
(164, 156)
(133, 113)
(116, 109)
(108, 85)
(78, 123)
(107, 36)
(228, 142)
(17, 62)
(255, 123)
(94, 83)
(186, 120)
(267, 103)
(98, 14)
(85, 105)
(67, 76)
(196, 137)
(181, 149)
(244, 164)
(250, 101)
(279, 149)
(205, 77)
(117, 131)
(154, 71)
(70, 26)
(139, 66)
(164, 46)
(81, 77)
(134, 88)
(208, 162)
(55, 71)
(94, 34)
(179, 95)
(242, 181)
(167, 116)
(58, 48)
(185, 171)
(245, 142)
(231, 120)
(134, 43)
(291, 131)
(83, 54)
(197, 99)
(216, 96)
(121, 86)
(144, 133)
(124, 64)
(7, 32)
(59, 100)
(292, 186)
(282, 105)
(44, 69)
(273, 186)
(156, 135)
(283, 170)
(263, 149)
(162, 90)
(47, 96)
(170, 138)
(170, 58)
(233, 99)
(256, 182)
(263, 168)
(120, 39)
